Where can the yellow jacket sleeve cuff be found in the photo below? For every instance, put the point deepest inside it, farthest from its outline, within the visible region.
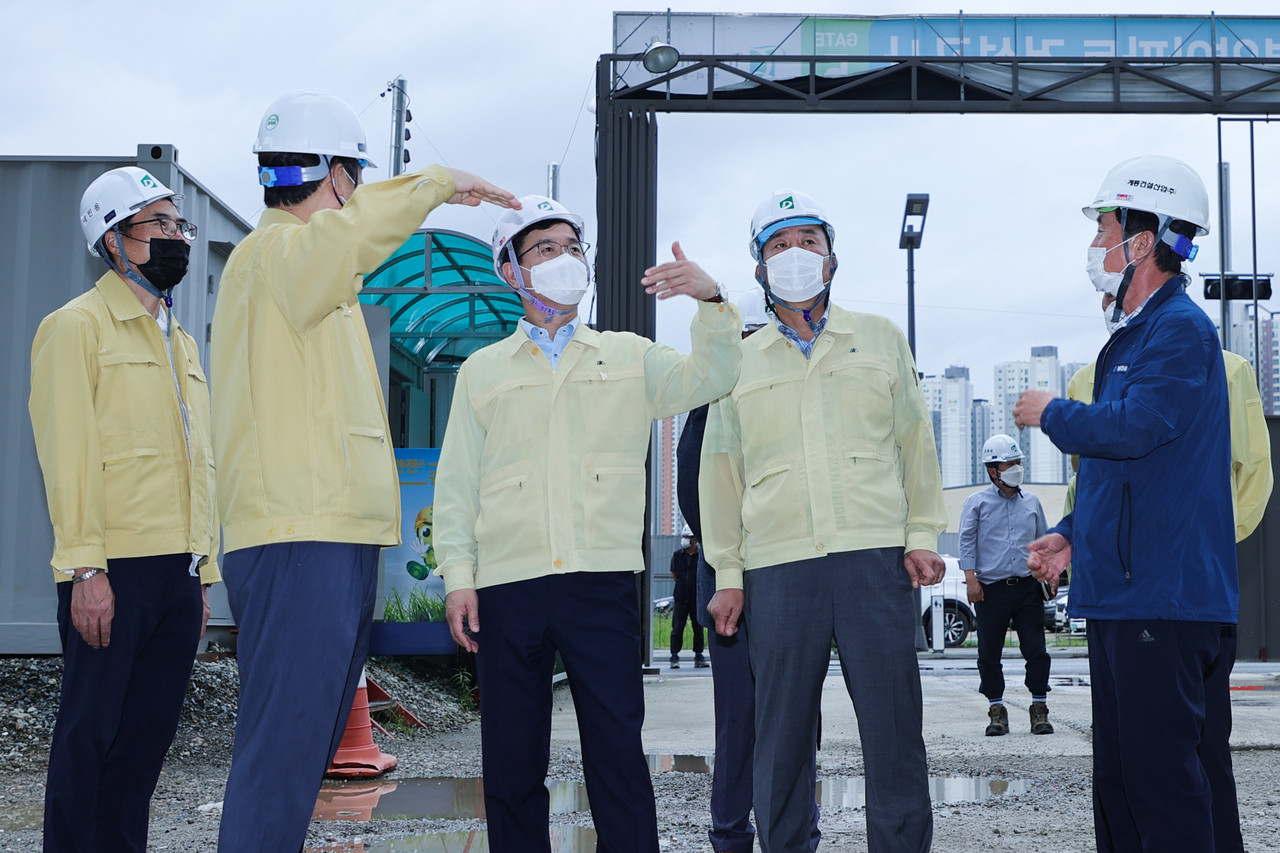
(457, 576)
(922, 540)
(728, 579)
(209, 572)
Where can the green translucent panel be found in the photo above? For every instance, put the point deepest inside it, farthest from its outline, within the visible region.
(428, 326)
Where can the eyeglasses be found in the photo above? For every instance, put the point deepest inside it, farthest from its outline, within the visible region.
(548, 249)
(170, 227)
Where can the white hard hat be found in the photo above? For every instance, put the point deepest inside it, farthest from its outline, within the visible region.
(114, 197)
(1161, 185)
(1000, 448)
(751, 307)
(312, 122)
(782, 209)
(533, 209)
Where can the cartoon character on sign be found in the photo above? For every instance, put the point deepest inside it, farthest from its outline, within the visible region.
(422, 546)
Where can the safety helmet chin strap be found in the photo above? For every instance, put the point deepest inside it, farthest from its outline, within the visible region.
(1180, 244)
(132, 275)
(527, 295)
(822, 297)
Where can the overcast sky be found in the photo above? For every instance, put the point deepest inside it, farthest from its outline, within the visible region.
(497, 88)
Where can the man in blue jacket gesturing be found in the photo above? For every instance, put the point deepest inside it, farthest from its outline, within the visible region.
(1151, 537)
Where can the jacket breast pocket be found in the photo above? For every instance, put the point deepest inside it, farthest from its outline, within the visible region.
(607, 400)
(864, 389)
(127, 373)
(769, 413)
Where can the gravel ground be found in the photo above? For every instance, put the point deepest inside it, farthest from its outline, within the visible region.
(1052, 814)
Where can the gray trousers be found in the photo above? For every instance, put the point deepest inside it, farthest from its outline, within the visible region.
(863, 600)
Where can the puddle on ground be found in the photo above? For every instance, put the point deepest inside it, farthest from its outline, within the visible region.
(661, 763)
(426, 798)
(1068, 681)
(564, 839)
(850, 793)
(458, 799)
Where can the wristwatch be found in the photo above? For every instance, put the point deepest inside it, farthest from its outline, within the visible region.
(86, 575)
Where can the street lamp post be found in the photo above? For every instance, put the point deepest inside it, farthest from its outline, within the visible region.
(912, 233)
(913, 217)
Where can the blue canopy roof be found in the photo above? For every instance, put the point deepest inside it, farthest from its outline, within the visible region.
(445, 300)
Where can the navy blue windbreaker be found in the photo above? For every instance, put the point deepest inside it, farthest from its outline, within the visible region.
(1152, 534)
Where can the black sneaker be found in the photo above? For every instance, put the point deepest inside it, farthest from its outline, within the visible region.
(999, 724)
(675, 663)
(700, 662)
(1040, 724)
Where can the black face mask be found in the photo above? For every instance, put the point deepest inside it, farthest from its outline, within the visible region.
(168, 263)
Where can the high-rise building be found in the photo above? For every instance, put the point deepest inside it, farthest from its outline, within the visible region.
(980, 424)
(1011, 379)
(957, 427)
(1045, 464)
(667, 519)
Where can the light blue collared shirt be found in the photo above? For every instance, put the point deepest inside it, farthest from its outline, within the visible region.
(995, 532)
(792, 335)
(553, 347)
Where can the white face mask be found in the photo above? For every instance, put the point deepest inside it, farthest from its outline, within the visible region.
(1103, 281)
(563, 280)
(795, 274)
(1012, 477)
(1112, 325)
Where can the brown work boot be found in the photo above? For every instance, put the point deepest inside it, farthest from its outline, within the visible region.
(1040, 724)
(999, 724)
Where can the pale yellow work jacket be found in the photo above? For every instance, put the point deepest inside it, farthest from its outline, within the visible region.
(122, 476)
(811, 457)
(1251, 476)
(300, 428)
(542, 471)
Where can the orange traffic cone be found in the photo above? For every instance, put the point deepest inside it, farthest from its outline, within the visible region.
(358, 757)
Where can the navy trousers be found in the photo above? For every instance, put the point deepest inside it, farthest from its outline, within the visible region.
(120, 706)
(1215, 748)
(593, 620)
(1022, 604)
(1153, 682)
(304, 610)
(864, 601)
(735, 709)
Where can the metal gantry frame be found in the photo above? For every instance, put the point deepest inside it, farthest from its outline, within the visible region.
(627, 138)
(627, 132)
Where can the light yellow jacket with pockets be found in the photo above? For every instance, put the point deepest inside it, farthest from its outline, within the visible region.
(300, 428)
(542, 471)
(118, 474)
(811, 457)
(1251, 476)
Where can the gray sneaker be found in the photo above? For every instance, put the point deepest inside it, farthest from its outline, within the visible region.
(675, 662)
(1040, 724)
(999, 724)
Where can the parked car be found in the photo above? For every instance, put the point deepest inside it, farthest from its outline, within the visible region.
(1055, 611)
(958, 617)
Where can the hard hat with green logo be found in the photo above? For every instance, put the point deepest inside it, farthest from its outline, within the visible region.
(533, 209)
(783, 209)
(312, 122)
(115, 196)
(1000, 448)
